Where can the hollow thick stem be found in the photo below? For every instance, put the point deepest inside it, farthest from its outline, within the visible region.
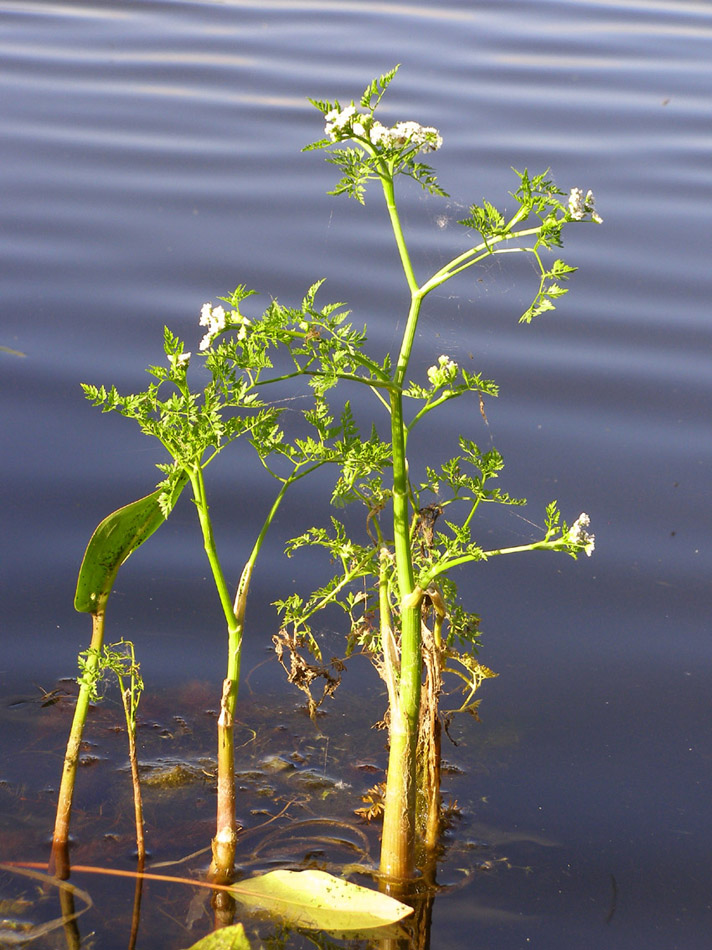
(225, 841)
(60, 838)
(397, 843)
(399, 815)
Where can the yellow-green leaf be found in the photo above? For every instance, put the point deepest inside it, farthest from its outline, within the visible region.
(228, 938)
(112, 542)
(319, 901)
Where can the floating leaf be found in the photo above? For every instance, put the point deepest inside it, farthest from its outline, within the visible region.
(319, 901)
(228, 938)
(113, 541)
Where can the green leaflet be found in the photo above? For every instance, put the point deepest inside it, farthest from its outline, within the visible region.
(112, 542)
(319, 901)
(227, 938)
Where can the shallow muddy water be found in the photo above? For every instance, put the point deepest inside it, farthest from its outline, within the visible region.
(151, 161)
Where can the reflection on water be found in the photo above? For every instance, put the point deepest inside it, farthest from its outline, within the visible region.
(151, 161)
(299, 786)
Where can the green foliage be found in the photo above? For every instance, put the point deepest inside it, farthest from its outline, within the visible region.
(441, 532)
(356, 171)
(394, 575)
(375, 90)
(548, 292)
(116, 537)
(119, 659)
(226, 938)
(316, 900)
(380, 152)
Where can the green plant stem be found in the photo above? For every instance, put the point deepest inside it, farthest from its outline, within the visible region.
(389, 194)
(130, 696)
(135, 780)
(468, 258)
(201, 503)
(60, 838)
(225, 840)
(426, 579)
(398, 842)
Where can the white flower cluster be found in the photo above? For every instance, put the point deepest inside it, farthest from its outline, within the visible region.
(216, 320)
(580, 205)
(444, 372)
(179, 359)
(578, 534)
(425, 137)
(347, 123)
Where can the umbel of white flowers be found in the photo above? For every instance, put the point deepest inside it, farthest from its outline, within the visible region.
(580, 205)
(217, 320)
(443, 372)
(348, 123)
(579, 535)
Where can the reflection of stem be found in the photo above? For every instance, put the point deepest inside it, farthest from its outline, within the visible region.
(69, 916)
(71, 757)
(136, 914)
(67, 893)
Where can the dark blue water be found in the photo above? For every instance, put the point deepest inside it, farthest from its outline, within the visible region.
(150, 157)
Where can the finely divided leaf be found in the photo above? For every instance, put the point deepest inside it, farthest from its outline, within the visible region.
(373, 93)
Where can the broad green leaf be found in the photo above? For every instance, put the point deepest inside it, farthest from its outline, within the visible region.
(227, 938)
(319, 901)
(113, 541)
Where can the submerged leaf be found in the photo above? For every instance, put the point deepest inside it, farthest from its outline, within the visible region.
(319, 901)
(112, 542)
(227, 938)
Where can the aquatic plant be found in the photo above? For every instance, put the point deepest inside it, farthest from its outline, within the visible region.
(396, 584)
(194, 426)
(113, 541)
(94, 665)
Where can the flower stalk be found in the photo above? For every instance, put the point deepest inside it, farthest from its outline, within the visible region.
(420, 555)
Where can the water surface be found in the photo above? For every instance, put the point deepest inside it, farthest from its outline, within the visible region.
(151, 161)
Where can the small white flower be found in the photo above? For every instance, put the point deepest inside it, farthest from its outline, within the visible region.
(341, 123)
(426, 138)
(337, 121)
(379, 134)
(578, 534)
(580, 205)
(179, 359)
(444, 372)
(215, 319)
